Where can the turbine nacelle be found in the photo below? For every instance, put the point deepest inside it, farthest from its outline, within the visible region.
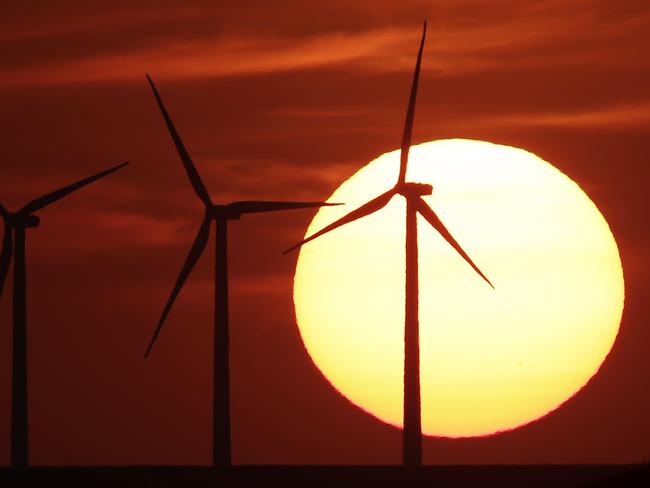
(413, 189)
(223, 212)
(20, 220)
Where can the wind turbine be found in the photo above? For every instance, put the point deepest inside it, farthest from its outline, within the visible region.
(13, 243)
(221, 215)
(412, 192)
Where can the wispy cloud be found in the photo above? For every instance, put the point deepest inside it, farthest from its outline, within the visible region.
(455, 46)
(211, 58)
(611, 118)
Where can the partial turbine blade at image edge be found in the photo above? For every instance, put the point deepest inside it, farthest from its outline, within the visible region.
(410, 112)
(431, 217)
(192, 173)
(363, 211)
(5, 256)
(52, 197)
(193, 256)
(264, 206)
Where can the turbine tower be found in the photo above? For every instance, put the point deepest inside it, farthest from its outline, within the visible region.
(412, 192)
(220, 215)
(13, 244)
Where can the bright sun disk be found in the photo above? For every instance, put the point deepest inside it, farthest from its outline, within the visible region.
(491, 360)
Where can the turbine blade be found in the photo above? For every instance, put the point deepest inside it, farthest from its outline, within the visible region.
(195, 253)
(52, 197)
(192, 173)
(431, 217)
(263, 206)
(410, 112)
(363, 211)
(5, 256)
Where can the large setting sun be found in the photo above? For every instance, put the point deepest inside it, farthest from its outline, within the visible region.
(491, 359)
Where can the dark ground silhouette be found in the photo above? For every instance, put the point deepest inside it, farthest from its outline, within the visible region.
(555, 476)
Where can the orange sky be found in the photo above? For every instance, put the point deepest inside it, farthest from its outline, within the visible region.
(286, 100)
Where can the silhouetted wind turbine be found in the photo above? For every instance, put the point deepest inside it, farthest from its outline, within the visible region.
(13, 243)
(412, 192)
(220, 214)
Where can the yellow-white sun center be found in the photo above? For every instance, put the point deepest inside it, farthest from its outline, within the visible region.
(491, 360)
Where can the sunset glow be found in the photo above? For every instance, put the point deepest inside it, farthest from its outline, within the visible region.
(491, 360)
